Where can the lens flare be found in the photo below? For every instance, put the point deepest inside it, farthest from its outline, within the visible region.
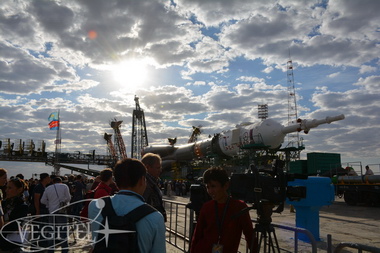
(92, 34)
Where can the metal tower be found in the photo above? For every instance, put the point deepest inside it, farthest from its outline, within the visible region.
(262, 111)
(194, 134)
(118, 139)
(110, 145)
(294, 142)
(139, 135)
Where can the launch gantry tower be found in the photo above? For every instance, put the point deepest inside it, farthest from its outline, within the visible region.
(139, 135)
(294, 146)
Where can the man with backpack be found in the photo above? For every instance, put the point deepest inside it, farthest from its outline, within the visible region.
(127, 210)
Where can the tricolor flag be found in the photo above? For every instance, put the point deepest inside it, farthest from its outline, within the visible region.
(53, 116)
(54, 125)
(54, 121)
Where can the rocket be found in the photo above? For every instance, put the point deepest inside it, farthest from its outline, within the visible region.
(265, 134)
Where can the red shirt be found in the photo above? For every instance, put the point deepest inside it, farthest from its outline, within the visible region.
(206, 232)
(102, 190)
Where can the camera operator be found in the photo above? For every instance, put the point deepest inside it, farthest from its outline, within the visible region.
(219, 229)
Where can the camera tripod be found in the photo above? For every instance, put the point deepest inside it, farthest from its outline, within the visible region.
(265, 233)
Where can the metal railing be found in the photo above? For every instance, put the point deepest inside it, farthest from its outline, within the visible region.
(359, 247)
(297, 231)
(181, 221)
(179, 225)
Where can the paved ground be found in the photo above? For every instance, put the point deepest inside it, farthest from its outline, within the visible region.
(354, 224)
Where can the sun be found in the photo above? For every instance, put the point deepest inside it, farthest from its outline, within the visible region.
(130, 73)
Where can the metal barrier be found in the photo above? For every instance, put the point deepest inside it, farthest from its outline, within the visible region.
(181, 220)
(179, 225)
(359, 247)
(297, 231)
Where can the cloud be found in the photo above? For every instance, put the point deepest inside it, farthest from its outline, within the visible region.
(22, 72)
(200, 83)
(371, 83)
(250, 79)
(367, 69)
(333, 75)
(211, 64)
(351, 20)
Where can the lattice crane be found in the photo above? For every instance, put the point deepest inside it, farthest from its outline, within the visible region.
(118, 139)
(194, 134)
(111, 147)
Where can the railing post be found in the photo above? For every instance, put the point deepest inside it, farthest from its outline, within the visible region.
(329, 243)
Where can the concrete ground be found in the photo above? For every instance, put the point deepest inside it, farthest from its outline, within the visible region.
(354, 224)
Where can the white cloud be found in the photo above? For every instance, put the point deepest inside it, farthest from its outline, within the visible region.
(371, 83)
(268, 69)
(200, 83)
(252, 79)
(214, 61)
(367, 69)
(333, 75)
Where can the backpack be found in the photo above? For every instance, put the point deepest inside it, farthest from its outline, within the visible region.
(121, 242)
(90, 195)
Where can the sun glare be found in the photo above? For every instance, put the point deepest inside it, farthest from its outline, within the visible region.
(130, 73)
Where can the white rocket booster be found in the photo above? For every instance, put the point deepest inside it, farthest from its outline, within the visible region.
(267, 133)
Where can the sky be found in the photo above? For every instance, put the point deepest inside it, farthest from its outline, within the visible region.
(191, 63)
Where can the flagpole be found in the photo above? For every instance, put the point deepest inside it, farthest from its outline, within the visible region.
(57, 147)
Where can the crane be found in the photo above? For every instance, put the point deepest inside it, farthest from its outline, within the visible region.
(111, 147)
(119, 143)
(194, 134)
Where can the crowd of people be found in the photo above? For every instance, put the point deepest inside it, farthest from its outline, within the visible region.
(129, 184)
(175, 187)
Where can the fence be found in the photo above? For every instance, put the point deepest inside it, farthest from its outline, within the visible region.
(359, 247)
(179, 226)
(181, 222)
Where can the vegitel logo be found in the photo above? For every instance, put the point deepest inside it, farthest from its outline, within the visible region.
(48, 232)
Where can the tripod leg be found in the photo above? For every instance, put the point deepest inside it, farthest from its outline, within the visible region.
(260, 238)
(276, 241)
(273, 242)
(264, 241)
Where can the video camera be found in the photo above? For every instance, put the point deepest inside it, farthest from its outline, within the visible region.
(198, 196)
(266, 185)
